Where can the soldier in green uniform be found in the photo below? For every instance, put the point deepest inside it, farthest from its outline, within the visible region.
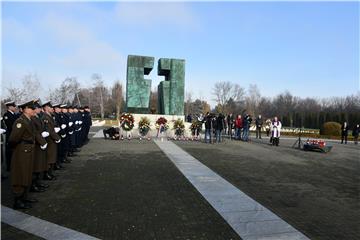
(22, 139)
(40, 164)
(53, 139)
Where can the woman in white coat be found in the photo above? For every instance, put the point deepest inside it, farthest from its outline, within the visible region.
(275, 131)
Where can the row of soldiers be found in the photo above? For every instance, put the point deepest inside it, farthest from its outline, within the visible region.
(38, 139)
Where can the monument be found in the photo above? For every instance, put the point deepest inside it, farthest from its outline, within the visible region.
(138, 88)
(170, 91)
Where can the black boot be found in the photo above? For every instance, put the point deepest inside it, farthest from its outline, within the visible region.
(19, 204)
(34, 188)
(51, 174)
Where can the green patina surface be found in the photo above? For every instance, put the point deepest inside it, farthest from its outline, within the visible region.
(138, 88)
(171, 91)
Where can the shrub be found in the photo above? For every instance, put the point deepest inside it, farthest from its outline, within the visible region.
(331, 129)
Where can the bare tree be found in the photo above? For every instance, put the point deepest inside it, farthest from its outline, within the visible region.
(188, 105)
(67, 92)
(224, 91)
(99, 90)
(117, 95)
(253, 99)
(16, 94)
(31, 88)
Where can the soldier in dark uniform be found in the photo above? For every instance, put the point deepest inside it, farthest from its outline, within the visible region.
(81, 128)
(23, 138)
(9, 118)
(3, 149)
(40, 164)
(66, 141)
(71, 131)
(77, 118)
(53, 140)
(59, 122)
(87, 123)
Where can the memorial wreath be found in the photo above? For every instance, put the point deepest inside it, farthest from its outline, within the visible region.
(127, 121)
(161, 124)
(179, 127)
(144, 126)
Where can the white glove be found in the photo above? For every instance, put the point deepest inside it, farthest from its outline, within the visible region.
(2, 131)
(57, 129)
(63, 126)
(71, 132)
(80, 122)
(57, 141)
(70, 124)
(77, 122)
(43, 147)
(45, 134)
(63, 136)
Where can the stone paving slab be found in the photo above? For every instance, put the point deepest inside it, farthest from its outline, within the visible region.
(39, 227)
(247, 217)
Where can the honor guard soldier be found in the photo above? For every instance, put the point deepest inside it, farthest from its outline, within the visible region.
(53, 140)
(61, 147)
(77, 118)
(87, 122)
(71, 131)
(9, 118)
(22, 139)
(40, 164)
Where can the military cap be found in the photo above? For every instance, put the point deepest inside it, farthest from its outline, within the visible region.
(63, 106)
(37, 103)
(10, 103)
(48, 103)
(57, 105)
(29, 104)
(86, 106)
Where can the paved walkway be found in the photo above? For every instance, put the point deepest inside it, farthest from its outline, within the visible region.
(39, 227)
(247, 217)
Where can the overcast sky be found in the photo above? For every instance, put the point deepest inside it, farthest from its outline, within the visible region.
(308, 48)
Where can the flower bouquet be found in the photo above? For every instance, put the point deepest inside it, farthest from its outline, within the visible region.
(317, 145)
(144, 127)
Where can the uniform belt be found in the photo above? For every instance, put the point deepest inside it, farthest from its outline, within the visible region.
(27, 142)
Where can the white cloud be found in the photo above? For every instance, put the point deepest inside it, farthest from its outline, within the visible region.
(151, 13)
(84, 52)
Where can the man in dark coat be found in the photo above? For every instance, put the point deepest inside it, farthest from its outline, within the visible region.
(355, 133)
(259, 123)
(230, 123)
(219, 127)
(344, 132)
